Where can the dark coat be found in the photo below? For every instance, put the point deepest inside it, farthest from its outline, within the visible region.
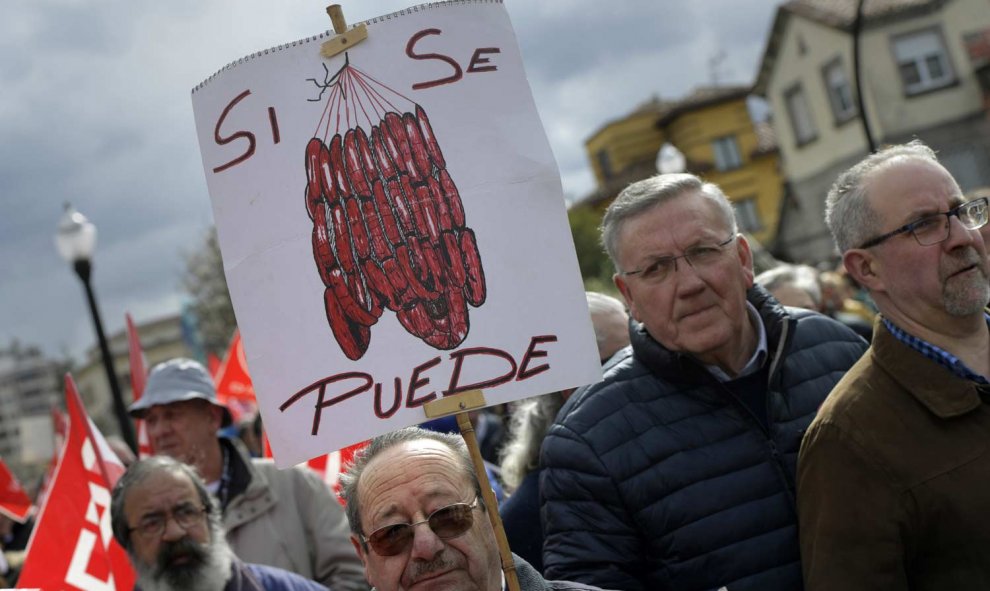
(520, 515)
(660, 477)
(894, 477)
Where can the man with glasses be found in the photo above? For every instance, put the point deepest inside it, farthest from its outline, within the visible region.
(284, 518)
(418, 520)
(163, 516)
(677, 471)
(894, 472)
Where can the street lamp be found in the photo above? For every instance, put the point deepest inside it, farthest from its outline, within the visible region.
(76, 241)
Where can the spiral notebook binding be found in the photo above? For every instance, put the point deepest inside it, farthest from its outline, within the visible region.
(327, 34)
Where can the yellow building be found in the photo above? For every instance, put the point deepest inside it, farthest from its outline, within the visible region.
(721, 143)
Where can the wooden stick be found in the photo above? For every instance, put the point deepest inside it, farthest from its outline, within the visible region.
(508, 566)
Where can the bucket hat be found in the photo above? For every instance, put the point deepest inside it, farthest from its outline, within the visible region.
(177, 380)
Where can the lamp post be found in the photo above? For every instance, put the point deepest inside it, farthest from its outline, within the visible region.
(76, 241)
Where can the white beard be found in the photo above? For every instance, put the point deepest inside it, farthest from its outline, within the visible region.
(210, 576)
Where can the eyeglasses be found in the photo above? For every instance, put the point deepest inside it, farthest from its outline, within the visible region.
(153, 525)
(699, 257)
(932, 229)
(446, 522)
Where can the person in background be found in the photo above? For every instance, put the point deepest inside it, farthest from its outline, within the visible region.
(893, 472)
(284, 518)
(793, 285)
(532, 417)
(677, 471)
(418, 520)
(163, 516)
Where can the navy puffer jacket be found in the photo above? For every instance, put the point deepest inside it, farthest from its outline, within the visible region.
(660, 478)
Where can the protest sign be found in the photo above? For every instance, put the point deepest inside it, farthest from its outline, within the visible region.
(392, 226)
(72, 546)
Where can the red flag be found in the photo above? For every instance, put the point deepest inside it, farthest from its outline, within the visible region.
(60, 428)
(234, 387)
(212, 365)
(14, 501)
(139, 376)
(329, 466)
(73, 546)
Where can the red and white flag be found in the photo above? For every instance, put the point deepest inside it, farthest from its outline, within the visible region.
(60, 427)
(234, 387)
(14, 501)
(139, 375)
(72, 546)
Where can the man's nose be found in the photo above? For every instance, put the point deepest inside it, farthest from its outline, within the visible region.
(173, 531)
(426, 544)
(959, 234)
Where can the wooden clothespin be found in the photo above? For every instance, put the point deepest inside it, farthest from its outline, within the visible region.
(459, 405)
(345, 39)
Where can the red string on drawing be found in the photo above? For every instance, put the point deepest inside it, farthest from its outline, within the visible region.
(389, 230)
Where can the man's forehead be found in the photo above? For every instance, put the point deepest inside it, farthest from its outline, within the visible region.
(159, 490)
(423, 467)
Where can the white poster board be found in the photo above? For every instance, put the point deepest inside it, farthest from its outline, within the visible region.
(392, 227)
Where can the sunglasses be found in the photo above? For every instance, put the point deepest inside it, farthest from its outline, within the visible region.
(446, 522)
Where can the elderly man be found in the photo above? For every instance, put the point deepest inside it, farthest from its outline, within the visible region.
(162, 514)
(284, 518)
(893, 473)
(418, 520)
(677, 471)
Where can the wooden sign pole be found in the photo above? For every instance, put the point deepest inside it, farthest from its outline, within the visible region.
(459, 405)
(345, 39)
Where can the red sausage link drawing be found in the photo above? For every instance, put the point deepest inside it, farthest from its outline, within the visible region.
(359, 234)
(389, 228)
(337, 166)
(351, 306)
(354, 165)
(393, 123)
(367, 159)
(352, 337)
(385, 163)
(386, 213)
(439, 204)
(417, 146)
(475, 289)
(432, 146)
(380, 248)
(341, 236)
(453, 199)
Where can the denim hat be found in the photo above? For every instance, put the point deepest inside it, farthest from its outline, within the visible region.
(177, 380)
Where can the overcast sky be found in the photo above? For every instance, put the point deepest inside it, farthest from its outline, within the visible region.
(95, 109)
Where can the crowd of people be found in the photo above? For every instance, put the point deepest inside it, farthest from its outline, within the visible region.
(800, 428)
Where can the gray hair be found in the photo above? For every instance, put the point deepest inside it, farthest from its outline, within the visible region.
(530, 422)
(351, 478)
(642, 196)
(137, 473)
(802, 277)
(847, 210)
(610, 321)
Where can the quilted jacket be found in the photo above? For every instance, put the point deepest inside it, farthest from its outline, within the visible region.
(660, 478)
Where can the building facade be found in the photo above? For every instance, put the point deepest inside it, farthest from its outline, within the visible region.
(721, 143)
(924, 75)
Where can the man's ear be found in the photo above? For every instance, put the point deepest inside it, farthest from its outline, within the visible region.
(360, 549)
(745, 258)
(864, 268)
(216, 417)
(623, 287)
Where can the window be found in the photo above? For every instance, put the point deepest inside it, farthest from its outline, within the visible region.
(802, 122)
(726, 153)
(922, 61)
(604, 164)
(747, 215)
(840, 94)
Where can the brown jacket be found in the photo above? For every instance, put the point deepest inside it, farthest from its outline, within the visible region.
(894, 478)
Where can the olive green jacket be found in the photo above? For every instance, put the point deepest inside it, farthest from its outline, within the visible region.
(894, 478)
